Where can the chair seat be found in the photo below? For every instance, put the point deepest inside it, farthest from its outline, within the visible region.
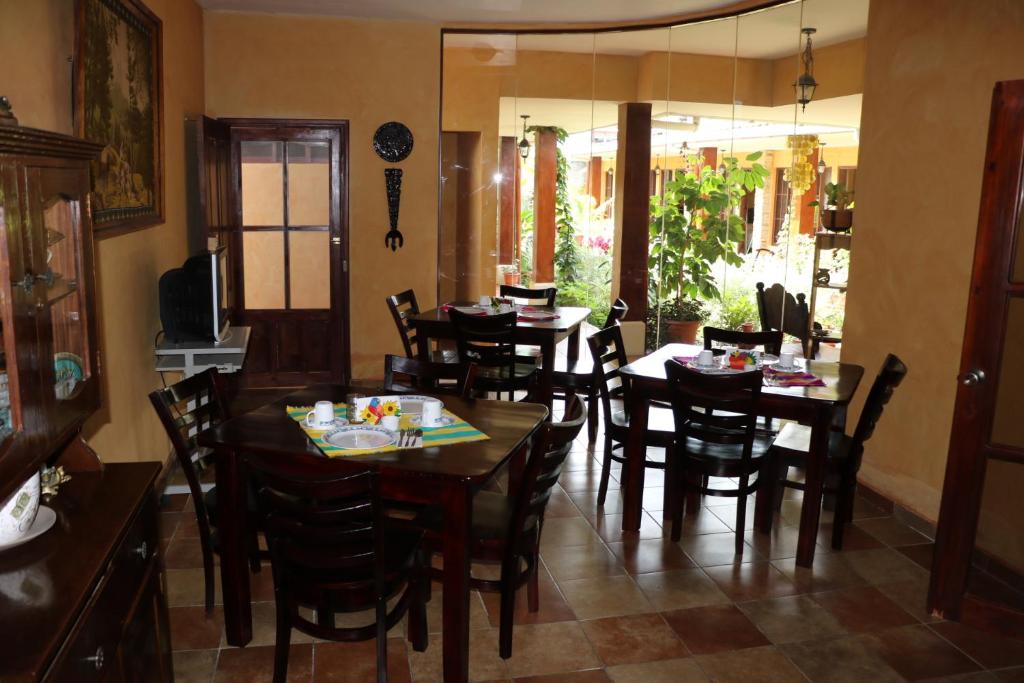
(794, 440)
(658, 419)
(710, 451)
(520, 371)
(444, 356)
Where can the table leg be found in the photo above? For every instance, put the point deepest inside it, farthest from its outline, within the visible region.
(573, 352)
(635, 452)
(455, 549)
(234, 550)
(810, 512)
(422, 345)
(547, 371)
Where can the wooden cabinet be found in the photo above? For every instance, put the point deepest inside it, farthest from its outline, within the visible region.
(49, 362)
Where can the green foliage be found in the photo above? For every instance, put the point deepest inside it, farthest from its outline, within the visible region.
(658, 316)
(696, 225)
(737, 306)
(526, 245)
(592, 285)
(836, 196)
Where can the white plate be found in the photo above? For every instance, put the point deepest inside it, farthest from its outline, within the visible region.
(719, 369)
(338, 422)
(360, 437)
(413, 404)
(538, 315)
(45, 519)
(472, 310)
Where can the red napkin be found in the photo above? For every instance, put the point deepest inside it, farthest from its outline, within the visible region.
(793, 379)
(684, 359)
(537, 318)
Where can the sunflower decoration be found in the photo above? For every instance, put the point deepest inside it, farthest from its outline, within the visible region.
(391, 408)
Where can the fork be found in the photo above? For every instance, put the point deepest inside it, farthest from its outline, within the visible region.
(402, 438)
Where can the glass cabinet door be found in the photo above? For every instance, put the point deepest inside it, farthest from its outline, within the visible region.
(14, 298)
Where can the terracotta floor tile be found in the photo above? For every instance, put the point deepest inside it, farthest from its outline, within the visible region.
(839, 660)
(609, 527)
(680, 589)
(591, 676)
(1012, 675)
(911, 595)
(891, 531)
(185, 553)
(195, 666)
(553, 606)
(713, 629)
(854, 538)
(917, 653)
(829, 572)
(173, 503)
(863, 608)
(562, 532)
(779, 544)
(484, 662)
(865, 509)
(583, 480)
(653, 555)
(988, 649)
(191, 629)
(704, 521)
(550, 649)
(608, 596)
(883, 565)
(665, 671)
(753, 581)
(654, 500)
(586, 501)
(727, 513)
(169, 524)
(264, 626)
(761, 664)
(256, 664)
(633, 639)
(708, 550)
(477, 612)
(581, 562)
(920, 554)
(357, 662)
(560, 505)
(188, 587)
(791, 619)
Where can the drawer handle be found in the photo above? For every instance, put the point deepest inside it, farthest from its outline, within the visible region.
(142, 551)
(97, 659)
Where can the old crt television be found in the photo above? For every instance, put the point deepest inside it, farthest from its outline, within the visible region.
(194, 298)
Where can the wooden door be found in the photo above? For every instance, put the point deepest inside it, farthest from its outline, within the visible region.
(289, 250)
(987, 422)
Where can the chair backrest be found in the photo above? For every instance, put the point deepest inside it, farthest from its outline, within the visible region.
(771, 340)
(323, 529)
(185, 409)
(403, 306)
(609, 355)
(718, 409)
(889, 377)
(538, 297)
(489, 341)
(448, 378)
(780, 311)
(550, 448)
(616, 313)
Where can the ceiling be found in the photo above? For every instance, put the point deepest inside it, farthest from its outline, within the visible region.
(483, 11)
(762, 35)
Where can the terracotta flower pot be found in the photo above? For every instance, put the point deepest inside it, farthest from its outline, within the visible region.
(837, 220)
(512, 278)
(682, 331)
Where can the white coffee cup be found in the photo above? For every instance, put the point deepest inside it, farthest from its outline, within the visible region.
(705, 358)
(431, 413)
(322, 415)
(485, 301)
(390, 422)
(786, 359)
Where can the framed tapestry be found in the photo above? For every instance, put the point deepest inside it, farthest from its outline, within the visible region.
(118, 103)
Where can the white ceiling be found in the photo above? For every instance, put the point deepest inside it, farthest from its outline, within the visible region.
(483, 11)
(768, 34)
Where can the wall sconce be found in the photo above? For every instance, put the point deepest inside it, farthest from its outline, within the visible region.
(805, 84)
(524, 144)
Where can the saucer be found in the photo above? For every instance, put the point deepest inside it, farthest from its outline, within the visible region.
(338, 422)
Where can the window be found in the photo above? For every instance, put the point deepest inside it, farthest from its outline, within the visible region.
(782, 196)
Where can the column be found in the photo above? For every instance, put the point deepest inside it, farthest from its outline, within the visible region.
(632, 207)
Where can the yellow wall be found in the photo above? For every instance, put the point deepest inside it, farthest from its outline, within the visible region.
(35, 40)
(367, 72)
(927, 93)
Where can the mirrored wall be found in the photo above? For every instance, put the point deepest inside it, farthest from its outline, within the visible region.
(548, 139)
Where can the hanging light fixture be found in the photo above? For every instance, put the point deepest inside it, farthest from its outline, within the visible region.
(524, 144)
(821, 159)
(805, 84)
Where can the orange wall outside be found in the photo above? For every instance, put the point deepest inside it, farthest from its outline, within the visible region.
(368, 72)
(927, 95)
(35, 40)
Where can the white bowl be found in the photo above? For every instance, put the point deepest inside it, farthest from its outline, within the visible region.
(18, 511)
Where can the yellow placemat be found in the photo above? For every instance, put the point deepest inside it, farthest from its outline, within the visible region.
(459, 431)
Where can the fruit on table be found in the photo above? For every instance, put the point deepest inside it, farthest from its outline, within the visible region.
(738, 360)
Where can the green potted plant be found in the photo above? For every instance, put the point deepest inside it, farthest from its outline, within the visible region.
(837, 215)
(679, 319)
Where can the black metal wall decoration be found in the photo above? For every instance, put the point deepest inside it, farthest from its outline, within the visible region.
(393, 185)
(392, 142)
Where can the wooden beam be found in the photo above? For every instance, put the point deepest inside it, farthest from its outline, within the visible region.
(544, 207)
(508, 207)
(632, 205)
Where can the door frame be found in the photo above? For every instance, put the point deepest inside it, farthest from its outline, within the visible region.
(970, 446)
(341, 364)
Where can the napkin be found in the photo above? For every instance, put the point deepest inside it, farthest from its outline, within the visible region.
(444, 308)
(793, 379)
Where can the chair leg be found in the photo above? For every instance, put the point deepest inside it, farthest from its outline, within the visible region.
(533, 585)
(382, 640)
(592, 415)
(741, 514)
(254, 552)
(417, 627)
(508, 606)
(844, 509)
(282, 641)
(606, 470)
(764, 505)
(681, 485)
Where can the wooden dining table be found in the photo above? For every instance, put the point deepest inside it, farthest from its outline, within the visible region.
(444, 476)
(814, 406)
(546, 334)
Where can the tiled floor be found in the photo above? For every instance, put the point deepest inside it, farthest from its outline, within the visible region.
(637, 607)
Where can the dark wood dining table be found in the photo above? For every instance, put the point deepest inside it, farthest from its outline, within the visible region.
(546, 334)
(814, 406)
(445, 476)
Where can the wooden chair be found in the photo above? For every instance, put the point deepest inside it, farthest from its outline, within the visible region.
(769, 340)
(403, 306)
(778, 310)
(578, 377)
(185, 409)
(446, 378)
(608, 356)
(331, 551)
(844, 452)
(716, 436)
(525, 295)
(489, 343)
(507, 528)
